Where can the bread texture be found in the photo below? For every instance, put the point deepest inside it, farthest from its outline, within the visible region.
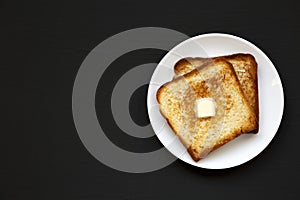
(245, 67)
(234, 116)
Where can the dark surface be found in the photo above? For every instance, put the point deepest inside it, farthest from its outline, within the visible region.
(138, 115)
(42, 47)
(103, 101)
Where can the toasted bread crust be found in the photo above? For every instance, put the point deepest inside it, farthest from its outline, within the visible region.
(249, 84)
(166, 92)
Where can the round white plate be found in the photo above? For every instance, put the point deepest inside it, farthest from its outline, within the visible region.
(271, 100)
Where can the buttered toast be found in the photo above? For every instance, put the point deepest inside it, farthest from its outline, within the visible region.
(233, 115)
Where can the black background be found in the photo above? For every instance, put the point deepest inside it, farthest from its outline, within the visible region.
(43, 44)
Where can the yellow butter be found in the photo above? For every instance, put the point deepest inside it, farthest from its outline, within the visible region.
(205, 107)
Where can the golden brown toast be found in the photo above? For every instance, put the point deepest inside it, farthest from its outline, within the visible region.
(233, 117)
(245, 67)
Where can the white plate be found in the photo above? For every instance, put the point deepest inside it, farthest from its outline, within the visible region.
(271, 100)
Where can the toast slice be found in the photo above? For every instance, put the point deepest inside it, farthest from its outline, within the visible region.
(233, 114)
(245, 67)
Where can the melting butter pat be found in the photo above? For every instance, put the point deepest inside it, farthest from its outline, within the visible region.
(205, 107)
